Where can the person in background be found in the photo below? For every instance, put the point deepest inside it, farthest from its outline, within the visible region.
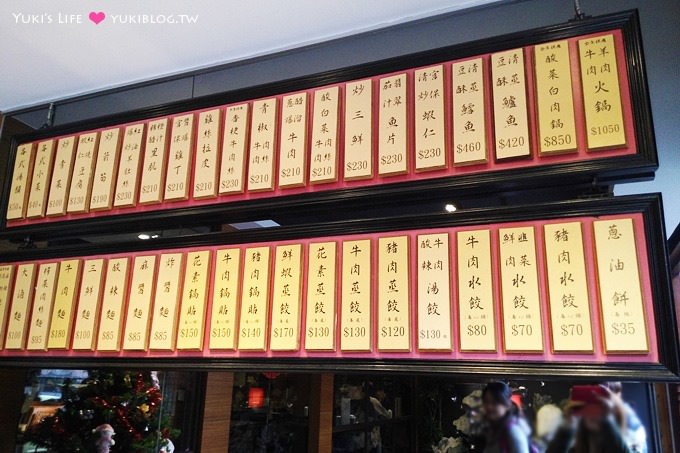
(506, 431)
(592, 426)
(635, 433)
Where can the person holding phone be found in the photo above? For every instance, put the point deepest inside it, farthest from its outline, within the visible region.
(506, 431)
(594, 422)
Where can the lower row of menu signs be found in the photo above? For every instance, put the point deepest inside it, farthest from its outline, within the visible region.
(483, 286)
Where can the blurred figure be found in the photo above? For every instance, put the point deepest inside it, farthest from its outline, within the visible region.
(634, 433)
(506, 431)
(593, 424)
(548, 421)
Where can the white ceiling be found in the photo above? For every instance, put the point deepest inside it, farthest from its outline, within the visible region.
(62, 53)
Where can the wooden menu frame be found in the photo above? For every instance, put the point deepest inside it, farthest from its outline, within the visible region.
(661, 362)
(639, 161)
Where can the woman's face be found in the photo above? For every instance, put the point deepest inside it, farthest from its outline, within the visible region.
(493, 410)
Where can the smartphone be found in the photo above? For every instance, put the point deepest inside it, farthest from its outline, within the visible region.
(588, 394)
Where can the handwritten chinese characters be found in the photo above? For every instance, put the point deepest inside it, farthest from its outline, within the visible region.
(321, 297)
(21, 181)
(469, 112)
(64, 305)
(521, 303)
(105, 171)
(207, 165)
(554, 98)
(89, 299)
(179, 158)
(293, 141)
(166, 302)
(19, 309)
(127, 182)
(394, 302)
(226, 293)
(83, 171)
(233, 162)
(194, 296)
(136, 333)
(568, 288)
(393, 127)
(434, 293)
(621, 304)
(324, 147)
(154, 165)
(511, 118)
(113, 302)
(61, 176)
(254, 319)
(358, 130)
(286, 299)
(6, 278)
(40, 182)
(601, 93)
(430, 132)
(356, 318)
(262, 149)
(476, 304)
(39, 326)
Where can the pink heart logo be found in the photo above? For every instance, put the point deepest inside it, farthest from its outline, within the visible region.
(97, 18)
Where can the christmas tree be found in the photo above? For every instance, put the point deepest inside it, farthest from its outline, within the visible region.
(130, 402)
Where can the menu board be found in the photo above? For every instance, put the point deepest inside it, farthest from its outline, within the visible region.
(225, 298)
(261, 153)
(136, 333)
(286, 299)
(429, 118)
(61, 176)
(293, 142)
(39, 327)
(21, 181)
(64, 305)
(106, 169)
(554, 98)
(624, 318)
(127, 183)
(324, 147)
(521, 303)
(358, 130)
(194, 296)
(392, 128)
(356, 318)
(207, 167)
(601, 93)
(89, 305)
(155, 162)
(321, 297)
(6, 279)
(233, 162)
(394, 302)
(469, 112)
(179, 158)
(511, 117)
(254, 318)
(476, 303)
(40, 181)
(113, 304)
(83, 172)
(166, 302)
(22, 296)
(434, 293)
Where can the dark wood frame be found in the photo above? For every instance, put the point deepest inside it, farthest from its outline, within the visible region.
(597, 172)
(649, 206)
